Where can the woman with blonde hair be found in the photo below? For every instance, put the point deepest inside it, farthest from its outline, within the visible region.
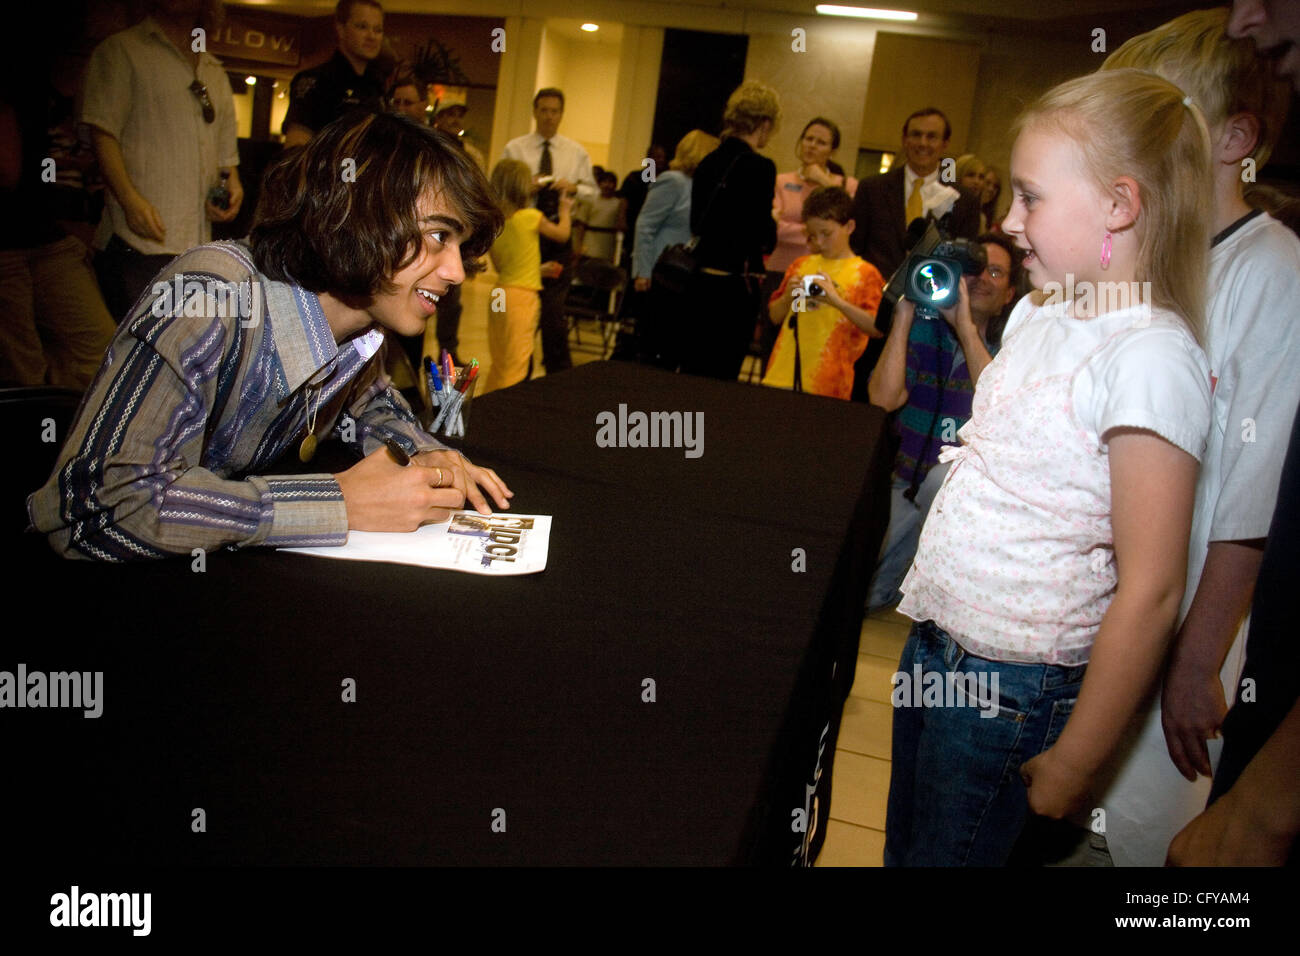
(518, 262)
(731, 213)
(665, 220)
(969, 174)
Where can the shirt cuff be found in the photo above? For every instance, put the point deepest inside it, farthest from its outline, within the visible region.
(409, 435)
(305, 511)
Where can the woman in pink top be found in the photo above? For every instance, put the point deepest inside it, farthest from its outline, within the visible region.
(818, 142)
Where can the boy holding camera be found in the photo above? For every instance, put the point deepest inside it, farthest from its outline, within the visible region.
(826, 304)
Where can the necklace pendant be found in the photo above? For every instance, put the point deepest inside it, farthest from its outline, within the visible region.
(307, 449)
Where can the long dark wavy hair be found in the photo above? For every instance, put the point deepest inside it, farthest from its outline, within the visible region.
(339, 214)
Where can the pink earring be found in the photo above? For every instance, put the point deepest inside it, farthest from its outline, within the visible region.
(1105, 252)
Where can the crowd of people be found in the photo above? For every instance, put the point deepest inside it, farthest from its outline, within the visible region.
(1086, 488)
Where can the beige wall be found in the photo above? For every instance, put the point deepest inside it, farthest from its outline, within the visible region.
(1013, 72)
(516, 83)
(829, 79)
(634, 102)
(551, 60)
(588, 74)
(897, 88)
(588, 71)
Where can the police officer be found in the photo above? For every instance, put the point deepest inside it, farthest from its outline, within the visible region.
(347, 81)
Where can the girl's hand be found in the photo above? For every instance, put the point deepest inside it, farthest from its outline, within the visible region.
(1055, 789)
(642, 284)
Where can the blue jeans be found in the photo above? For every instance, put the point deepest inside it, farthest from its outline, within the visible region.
(899, 547)
(955, 793)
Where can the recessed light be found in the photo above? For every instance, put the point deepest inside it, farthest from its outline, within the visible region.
(865, 13)
(591, 27)
(251, 80)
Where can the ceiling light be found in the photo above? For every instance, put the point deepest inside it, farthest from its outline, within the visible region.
(591, 27)
(866, 13)
(251, 80)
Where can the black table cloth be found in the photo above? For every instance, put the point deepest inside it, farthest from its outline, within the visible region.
(495, 721)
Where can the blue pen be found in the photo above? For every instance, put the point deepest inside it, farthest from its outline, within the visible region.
(434, 381)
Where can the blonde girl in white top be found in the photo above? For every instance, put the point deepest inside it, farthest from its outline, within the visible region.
(1057, 546)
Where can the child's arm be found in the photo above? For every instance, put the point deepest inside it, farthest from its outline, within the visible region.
(1152, 490)
(860, 317)
(559, 231)
(866, 289)
(783, 300)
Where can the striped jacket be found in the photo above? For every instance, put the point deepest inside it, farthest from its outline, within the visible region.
(205, 386)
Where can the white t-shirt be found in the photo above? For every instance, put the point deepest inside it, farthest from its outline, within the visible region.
(1016, 558)
(1155, 376)
(1253, 344)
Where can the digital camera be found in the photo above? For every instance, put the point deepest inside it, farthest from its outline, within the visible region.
(930, 275)
(811, 287)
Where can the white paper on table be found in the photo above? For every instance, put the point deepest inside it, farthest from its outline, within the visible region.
(494, 544)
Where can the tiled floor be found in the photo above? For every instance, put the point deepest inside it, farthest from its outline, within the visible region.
(855, 834)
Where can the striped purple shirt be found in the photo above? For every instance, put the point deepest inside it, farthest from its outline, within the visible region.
(207, 383)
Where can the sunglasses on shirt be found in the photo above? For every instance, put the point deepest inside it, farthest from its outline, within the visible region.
(201, 93)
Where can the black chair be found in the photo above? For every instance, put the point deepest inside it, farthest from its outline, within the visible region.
(36, 422)
(596, 294)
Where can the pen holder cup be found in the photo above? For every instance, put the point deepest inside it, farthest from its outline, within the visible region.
(448, 414)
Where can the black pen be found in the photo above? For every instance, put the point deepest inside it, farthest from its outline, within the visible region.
(399, 454)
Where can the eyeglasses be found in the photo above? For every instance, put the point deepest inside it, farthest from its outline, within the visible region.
(201, 93)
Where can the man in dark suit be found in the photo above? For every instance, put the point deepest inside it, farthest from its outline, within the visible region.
(884, 205)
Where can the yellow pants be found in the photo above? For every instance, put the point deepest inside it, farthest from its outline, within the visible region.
(510, 337)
